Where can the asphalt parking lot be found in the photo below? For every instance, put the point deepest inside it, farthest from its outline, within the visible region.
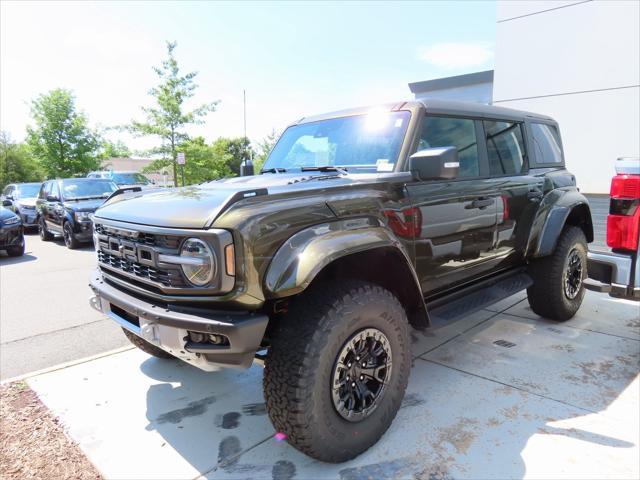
(44, 311)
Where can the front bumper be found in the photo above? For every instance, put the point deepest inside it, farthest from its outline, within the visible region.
(29, 218)
(614, 273)
(83, 231)
(168, 327)
(11, 236)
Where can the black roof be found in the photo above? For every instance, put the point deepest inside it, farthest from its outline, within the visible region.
(450, 107)
(452, 82)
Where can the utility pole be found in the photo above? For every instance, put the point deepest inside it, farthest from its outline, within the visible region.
(244, 107)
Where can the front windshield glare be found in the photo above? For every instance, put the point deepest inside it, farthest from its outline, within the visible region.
(87, 189)
(28, 190)
(368, 142)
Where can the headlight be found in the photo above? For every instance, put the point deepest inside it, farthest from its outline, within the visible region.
(83, 216)
(11, 221)
(198, 262)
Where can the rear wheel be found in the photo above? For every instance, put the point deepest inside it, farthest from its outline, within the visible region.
(558, 280)
(45, 235)
(146, 346)
(337, 369)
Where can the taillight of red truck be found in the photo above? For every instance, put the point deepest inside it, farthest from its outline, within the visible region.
(623, 222)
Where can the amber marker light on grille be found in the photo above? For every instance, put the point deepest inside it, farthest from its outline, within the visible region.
(230, 259)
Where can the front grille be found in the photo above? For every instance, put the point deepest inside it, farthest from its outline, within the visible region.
(150, 239)
(167, 278)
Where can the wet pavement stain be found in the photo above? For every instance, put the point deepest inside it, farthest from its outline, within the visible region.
(228, 421)
(193, 409)
(229, 452)
(412, 400)
(283, 470)
(254, 409)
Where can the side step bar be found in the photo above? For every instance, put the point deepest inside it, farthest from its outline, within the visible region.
(467, 300)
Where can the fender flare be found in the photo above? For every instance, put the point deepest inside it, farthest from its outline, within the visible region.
(303, 256)
(556, 215)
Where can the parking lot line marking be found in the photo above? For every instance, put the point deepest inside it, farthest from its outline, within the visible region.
(68, 364)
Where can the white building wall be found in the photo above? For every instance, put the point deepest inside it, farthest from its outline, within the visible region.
(578, 62)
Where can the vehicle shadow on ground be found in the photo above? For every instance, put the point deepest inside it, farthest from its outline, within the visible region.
(7, 260)
(456, 419)
(84, 247)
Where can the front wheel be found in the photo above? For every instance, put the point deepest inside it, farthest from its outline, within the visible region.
(16, 251)
(337, 369)
(558, 280)
(69, 238)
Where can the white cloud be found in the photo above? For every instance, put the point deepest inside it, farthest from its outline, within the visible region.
(457, 55)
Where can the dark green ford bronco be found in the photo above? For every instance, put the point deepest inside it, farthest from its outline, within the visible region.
(362, 224)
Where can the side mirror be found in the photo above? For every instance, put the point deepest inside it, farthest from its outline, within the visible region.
(52, 198)
(435, 164)
(246, 168)
(6, 203)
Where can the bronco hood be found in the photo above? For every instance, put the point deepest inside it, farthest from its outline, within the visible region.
(197, 206)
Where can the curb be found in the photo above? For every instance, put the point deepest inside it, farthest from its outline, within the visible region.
(68, 364)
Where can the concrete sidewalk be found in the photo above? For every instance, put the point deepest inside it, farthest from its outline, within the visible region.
(499, 394)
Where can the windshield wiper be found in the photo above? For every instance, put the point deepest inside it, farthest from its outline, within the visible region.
(273, 170)
(324, 168)
(77, 199)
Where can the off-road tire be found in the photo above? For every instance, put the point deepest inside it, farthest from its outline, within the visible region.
(69, 239)
(45, 235)
(547, 295)
(305, 344)
(16, 251)
(146, 346)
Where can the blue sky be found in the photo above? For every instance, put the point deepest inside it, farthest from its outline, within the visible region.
(293, 59)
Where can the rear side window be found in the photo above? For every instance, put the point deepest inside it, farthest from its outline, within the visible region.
(546, 143)
(453, 132)
(505, 147)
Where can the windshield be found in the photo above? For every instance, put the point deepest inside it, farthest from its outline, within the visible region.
(28, 190)
(75, 189)
(368, 142)
(133, 178)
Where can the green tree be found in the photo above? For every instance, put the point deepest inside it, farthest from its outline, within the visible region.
(203, 162)
(17, 163)
(264, 149)
(236, 149)
(167, 119)
(114, 149)
(61, 139)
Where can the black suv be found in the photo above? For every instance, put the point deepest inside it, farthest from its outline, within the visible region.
(65, 207)
(363, 223)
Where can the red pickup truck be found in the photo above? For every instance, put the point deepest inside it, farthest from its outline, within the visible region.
(618, 273)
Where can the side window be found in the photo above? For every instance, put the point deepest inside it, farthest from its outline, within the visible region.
(453, 132)
(45, 190)
(55, 191)
(546, 143)
(505, 147)
(7, 190)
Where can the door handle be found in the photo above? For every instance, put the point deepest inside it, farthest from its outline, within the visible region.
(480, 203)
